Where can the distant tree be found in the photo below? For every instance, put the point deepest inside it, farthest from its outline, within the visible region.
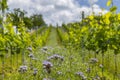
(37, 20)
(17, 15)
(28, 22)
(3, 6)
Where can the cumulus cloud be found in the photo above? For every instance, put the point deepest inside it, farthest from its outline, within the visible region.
(98, 10)
(91, 2)
(55, 11)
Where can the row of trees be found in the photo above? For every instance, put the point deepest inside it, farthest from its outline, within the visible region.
(17, 15)
(22, 43)
(35, 20)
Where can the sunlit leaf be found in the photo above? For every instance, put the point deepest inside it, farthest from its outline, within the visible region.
(109, 2)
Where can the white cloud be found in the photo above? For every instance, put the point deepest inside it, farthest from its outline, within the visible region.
(98, 10)
(91, 2)
(54, 11)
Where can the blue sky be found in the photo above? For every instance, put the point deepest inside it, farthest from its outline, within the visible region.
(101, 3)
(61, 11)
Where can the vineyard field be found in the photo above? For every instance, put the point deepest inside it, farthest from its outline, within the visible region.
(49, 42)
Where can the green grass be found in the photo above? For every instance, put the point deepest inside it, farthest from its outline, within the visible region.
(61, 70)
(52, 39)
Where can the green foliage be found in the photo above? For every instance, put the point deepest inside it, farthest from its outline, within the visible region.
(94, 33)
(40, 40)
(28, 22)
(16, 16)
(37, 20)
(109, 2)
(97, 34)
(3, 5)
(113, 9)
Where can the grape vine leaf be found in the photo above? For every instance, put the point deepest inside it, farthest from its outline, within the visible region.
(109, 2)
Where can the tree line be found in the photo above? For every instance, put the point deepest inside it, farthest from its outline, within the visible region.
(17, 15)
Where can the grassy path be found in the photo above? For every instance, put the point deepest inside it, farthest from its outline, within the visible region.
(52, 39)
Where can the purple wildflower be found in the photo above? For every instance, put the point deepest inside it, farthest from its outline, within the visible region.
(45, 48)
(22, 69)
(93, 60)
(88, 70)
(47, 65)
(31, 55)
(56, 56)
(101, 66)
(83, 77)
(29, 48)
(35, 72)
(96, 78)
